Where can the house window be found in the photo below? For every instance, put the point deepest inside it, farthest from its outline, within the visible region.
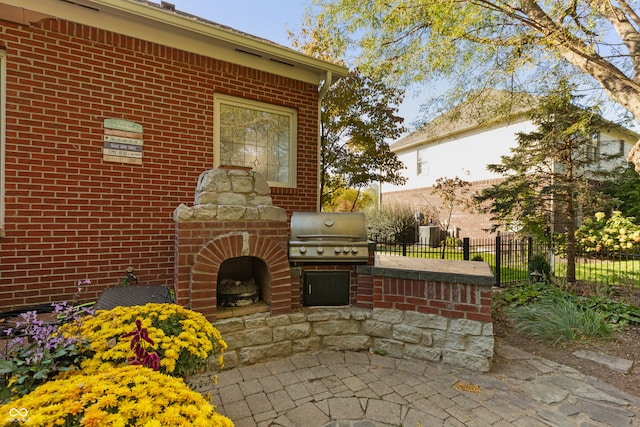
(2, 138)
(592, 148)
(256, 135)
(423, 166)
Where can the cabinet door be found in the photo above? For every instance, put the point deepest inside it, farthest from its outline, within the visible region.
(326, 288)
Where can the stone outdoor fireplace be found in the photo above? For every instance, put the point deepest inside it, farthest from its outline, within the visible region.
(231, 248)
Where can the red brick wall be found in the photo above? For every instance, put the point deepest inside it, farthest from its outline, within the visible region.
(470, 223)
(364, 297)
(72, 216)
(451, 300)
(203, 246)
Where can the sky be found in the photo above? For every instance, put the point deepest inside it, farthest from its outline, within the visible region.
(269, 19)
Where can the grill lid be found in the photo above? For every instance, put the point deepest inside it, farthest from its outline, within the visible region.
(328, 236)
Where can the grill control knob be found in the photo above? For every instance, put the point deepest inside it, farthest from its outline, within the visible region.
(303, 250)
(337, 250)
(354, 250)
(345, 250)
(320, 250)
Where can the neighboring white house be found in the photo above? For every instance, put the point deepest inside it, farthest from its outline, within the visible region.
(461, 143)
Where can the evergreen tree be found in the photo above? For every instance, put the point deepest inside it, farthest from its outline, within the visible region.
(550, 173)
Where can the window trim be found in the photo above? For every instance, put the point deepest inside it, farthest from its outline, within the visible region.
(3, 120)
(592, 148)
(262, 106)
(422, 167)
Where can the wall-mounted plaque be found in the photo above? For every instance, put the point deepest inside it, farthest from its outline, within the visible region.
(122, 142)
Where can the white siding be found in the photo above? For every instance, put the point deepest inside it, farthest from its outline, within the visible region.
(466, 156)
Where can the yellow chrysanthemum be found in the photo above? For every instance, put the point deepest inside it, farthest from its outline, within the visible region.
(118, 397)
(93, 417)
(171, 327)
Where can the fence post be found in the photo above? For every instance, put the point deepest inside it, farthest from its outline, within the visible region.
(466, 249)
(529, 250)
(498, 260)
(404, 244)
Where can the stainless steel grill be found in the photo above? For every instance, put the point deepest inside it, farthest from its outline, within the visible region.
(328, 237)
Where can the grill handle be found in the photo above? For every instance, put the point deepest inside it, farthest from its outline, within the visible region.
(320, 236)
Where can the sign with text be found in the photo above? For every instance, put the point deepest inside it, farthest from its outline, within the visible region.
(122, 142)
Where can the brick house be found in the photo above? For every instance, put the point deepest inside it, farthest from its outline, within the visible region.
(462, 142)
(110, 111)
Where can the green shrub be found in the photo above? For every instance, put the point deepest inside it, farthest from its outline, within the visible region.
(614, 311)
(616, 233)
(527, 293)
(539, 263)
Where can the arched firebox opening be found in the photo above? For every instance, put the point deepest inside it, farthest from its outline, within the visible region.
(242, 281)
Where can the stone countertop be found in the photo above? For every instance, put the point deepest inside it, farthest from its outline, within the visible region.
(453, 271)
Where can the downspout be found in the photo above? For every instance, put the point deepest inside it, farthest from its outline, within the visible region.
(322, 91)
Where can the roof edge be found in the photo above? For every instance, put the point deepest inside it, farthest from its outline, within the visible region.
(190, 33)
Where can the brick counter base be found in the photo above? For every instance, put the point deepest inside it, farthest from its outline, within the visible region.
(448, 288)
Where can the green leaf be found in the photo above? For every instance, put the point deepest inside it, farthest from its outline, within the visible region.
(41, 374)
(7, 366)
(61, 352)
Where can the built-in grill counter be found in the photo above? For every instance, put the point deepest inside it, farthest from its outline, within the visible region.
(334, 237)
(327, 246)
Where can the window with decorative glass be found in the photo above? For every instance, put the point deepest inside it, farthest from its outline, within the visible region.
(257, 135)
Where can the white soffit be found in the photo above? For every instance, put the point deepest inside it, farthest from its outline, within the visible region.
(150, 22)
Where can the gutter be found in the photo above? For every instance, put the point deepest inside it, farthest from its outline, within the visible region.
(326, 85)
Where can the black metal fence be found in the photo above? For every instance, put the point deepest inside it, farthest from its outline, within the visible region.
(515, 259)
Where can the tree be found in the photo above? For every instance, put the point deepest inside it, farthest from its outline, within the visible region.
(453, 192)
(624, 189)
(493, 43)
(390, 223)
(352, 199)
(358, 116)
(547, 177)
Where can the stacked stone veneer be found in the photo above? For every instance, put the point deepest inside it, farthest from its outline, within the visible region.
(232, 216)
(396, 333)
(231, 194)
(438, 312)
